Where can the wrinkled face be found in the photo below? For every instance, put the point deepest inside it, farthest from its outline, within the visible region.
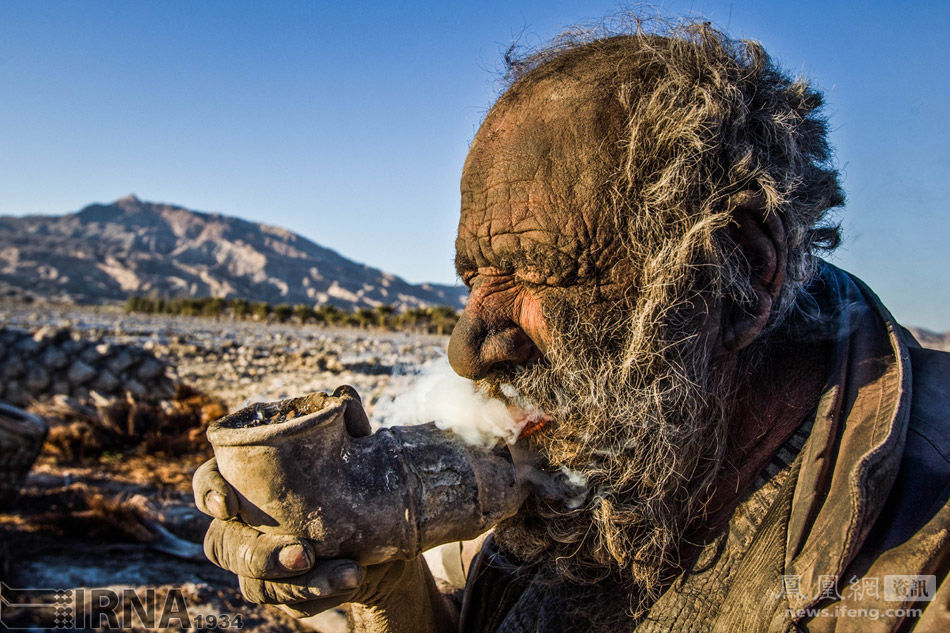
(554, 312)
(531, 230)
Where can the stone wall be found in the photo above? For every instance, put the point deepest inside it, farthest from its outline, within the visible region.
(38, 364)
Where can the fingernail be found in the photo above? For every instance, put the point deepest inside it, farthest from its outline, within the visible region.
(345, 577)
(295, 557)
(217, 504)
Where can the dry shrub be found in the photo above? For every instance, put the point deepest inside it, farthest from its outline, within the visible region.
(173, 427)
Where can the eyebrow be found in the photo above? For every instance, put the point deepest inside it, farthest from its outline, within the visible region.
(549, 262)
(463, 262)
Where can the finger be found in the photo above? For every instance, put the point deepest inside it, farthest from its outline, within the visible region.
(331, 582)
(213, 495)
(245, 551)
(313, 607)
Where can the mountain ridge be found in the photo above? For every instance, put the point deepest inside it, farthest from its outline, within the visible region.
(105, 252)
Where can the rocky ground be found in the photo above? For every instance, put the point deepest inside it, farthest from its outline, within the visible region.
(122, 516)
(933, 340)
(247, 361)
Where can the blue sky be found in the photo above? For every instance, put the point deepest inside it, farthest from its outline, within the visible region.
(349, 122)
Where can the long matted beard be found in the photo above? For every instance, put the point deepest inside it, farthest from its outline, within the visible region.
(643, 422)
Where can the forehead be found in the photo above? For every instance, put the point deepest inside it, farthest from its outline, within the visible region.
(533, 183)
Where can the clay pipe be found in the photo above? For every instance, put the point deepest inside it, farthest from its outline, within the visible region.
(310, 467)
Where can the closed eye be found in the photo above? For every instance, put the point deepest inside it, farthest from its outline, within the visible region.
(497, 277)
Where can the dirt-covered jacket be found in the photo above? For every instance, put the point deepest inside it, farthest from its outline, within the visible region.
(847, 530)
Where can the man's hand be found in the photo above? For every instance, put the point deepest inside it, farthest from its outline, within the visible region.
(271, 569)
(282, 570)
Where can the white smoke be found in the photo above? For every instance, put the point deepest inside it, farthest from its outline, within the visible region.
(437, 394)
(454, 404)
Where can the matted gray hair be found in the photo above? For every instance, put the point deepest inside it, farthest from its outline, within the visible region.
(639, 403)
(706, 118)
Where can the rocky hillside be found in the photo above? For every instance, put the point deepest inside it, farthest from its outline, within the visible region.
(933, 340)
(107, 251)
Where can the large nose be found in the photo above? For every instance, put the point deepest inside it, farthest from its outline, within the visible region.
(483, 342)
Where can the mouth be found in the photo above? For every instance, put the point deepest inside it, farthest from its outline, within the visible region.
(526, 417)
(528, 421)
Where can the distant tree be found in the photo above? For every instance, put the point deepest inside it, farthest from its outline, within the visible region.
(330, 314)
(384, 315)
(212, 306)
(283, 312)
(240, 308)
(260, 310)
(442, 319)
(194, 306)
(414, 319)
(135, 303)
(433, 319)
(303, 312)
(351, 319)
(364, 317)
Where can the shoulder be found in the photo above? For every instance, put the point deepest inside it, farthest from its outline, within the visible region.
(911, 538)
(930, 398)
(927, 448)
(922, 486)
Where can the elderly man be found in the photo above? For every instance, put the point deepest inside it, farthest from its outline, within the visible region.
(765, 448)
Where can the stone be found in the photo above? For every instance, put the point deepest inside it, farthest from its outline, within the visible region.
(27, 346)
(59, 385)
(13, 368)
(15, 394)
(90, 354)
(54, 358)
(164, 391)
(149, 369)
(72, 346)
(136, 388)
(21, 436)
(106, 382)
(79, 373)
(37, 379)
(51, 335)
(119, 363)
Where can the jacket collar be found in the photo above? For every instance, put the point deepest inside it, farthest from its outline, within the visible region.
(852, 455)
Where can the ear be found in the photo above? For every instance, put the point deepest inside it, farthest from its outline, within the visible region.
(761, 237)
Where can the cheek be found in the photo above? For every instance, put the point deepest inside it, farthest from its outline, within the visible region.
(530, 318)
